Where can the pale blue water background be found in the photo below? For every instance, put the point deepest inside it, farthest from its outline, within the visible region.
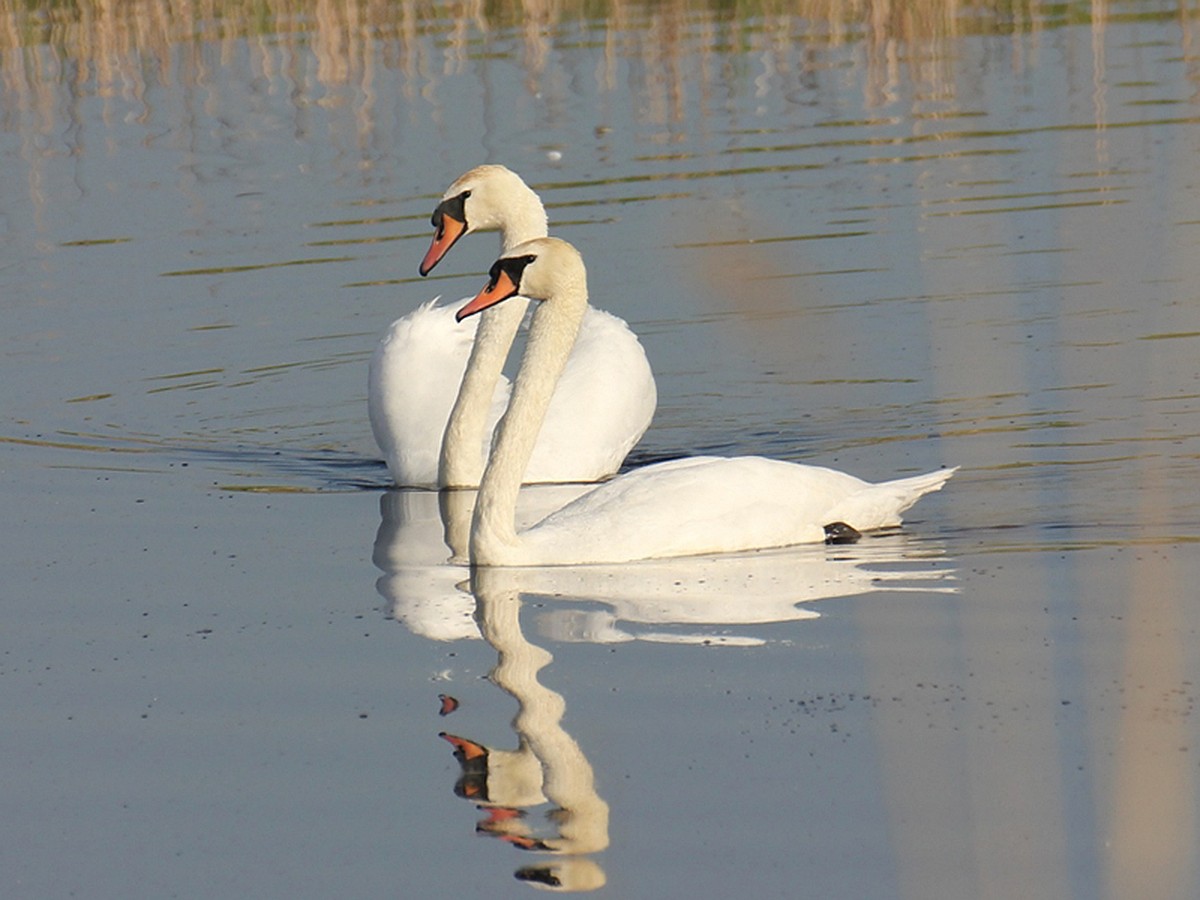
(975, 246)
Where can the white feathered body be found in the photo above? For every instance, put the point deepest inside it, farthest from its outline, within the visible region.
(704, 505)
(600, 408)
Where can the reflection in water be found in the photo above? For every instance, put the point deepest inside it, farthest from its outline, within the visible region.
(350, 39)
(427, 594)
(437, 601)
(420, 534)
(548, 765)
(421, 543)
(1153, 830)
(53, 58)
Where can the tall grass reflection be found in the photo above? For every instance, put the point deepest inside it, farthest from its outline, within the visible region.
(52, 56)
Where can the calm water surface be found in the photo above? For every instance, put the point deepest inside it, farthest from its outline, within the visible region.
(882, 240)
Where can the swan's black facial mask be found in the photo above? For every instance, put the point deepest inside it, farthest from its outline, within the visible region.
(504, 281)
(455, 208)
(513, 267)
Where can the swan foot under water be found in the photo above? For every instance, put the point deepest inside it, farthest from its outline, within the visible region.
(841, 533)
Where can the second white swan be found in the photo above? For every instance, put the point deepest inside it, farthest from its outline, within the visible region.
(435, 386)
(685, 507)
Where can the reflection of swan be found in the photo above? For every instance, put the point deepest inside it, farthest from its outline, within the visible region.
(599, 411)
(742, 589)
(506, 782)
(632, 601)
(420, 533)
(679, 508)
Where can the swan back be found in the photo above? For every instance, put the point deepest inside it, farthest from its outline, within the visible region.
(601, 407)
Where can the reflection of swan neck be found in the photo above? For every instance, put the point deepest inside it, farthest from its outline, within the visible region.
(568, 781)
(552, 333)
(455, 507)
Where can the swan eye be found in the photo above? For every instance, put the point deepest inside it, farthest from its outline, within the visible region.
(515, 266)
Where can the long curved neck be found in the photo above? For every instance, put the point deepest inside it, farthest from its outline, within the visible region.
(524, 219)
(551, 335)
(461, 460)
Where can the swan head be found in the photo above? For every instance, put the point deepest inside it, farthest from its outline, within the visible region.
(486, 198)
(546, 269)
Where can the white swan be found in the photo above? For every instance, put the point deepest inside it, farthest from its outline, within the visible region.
(422, 388)
(685, 507)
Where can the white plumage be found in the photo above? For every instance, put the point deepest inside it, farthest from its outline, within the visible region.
(601, 408)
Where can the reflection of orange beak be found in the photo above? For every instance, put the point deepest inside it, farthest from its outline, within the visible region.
(468, 749)
(495, 291)
(449, 231)
(525, 843)
(501, 814)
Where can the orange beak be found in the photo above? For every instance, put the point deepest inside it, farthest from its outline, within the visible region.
(501, 288)
(449, 230)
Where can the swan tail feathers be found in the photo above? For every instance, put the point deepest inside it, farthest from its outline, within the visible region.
(881, 505)
(919, 485)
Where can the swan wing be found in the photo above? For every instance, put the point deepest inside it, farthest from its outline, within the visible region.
(413, 379)
(690, 507)
(601, 407)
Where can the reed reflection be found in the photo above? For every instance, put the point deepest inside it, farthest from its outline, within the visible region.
(669, 54)
(547, 766)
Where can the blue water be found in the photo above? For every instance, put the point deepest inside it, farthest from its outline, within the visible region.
(885, 247)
